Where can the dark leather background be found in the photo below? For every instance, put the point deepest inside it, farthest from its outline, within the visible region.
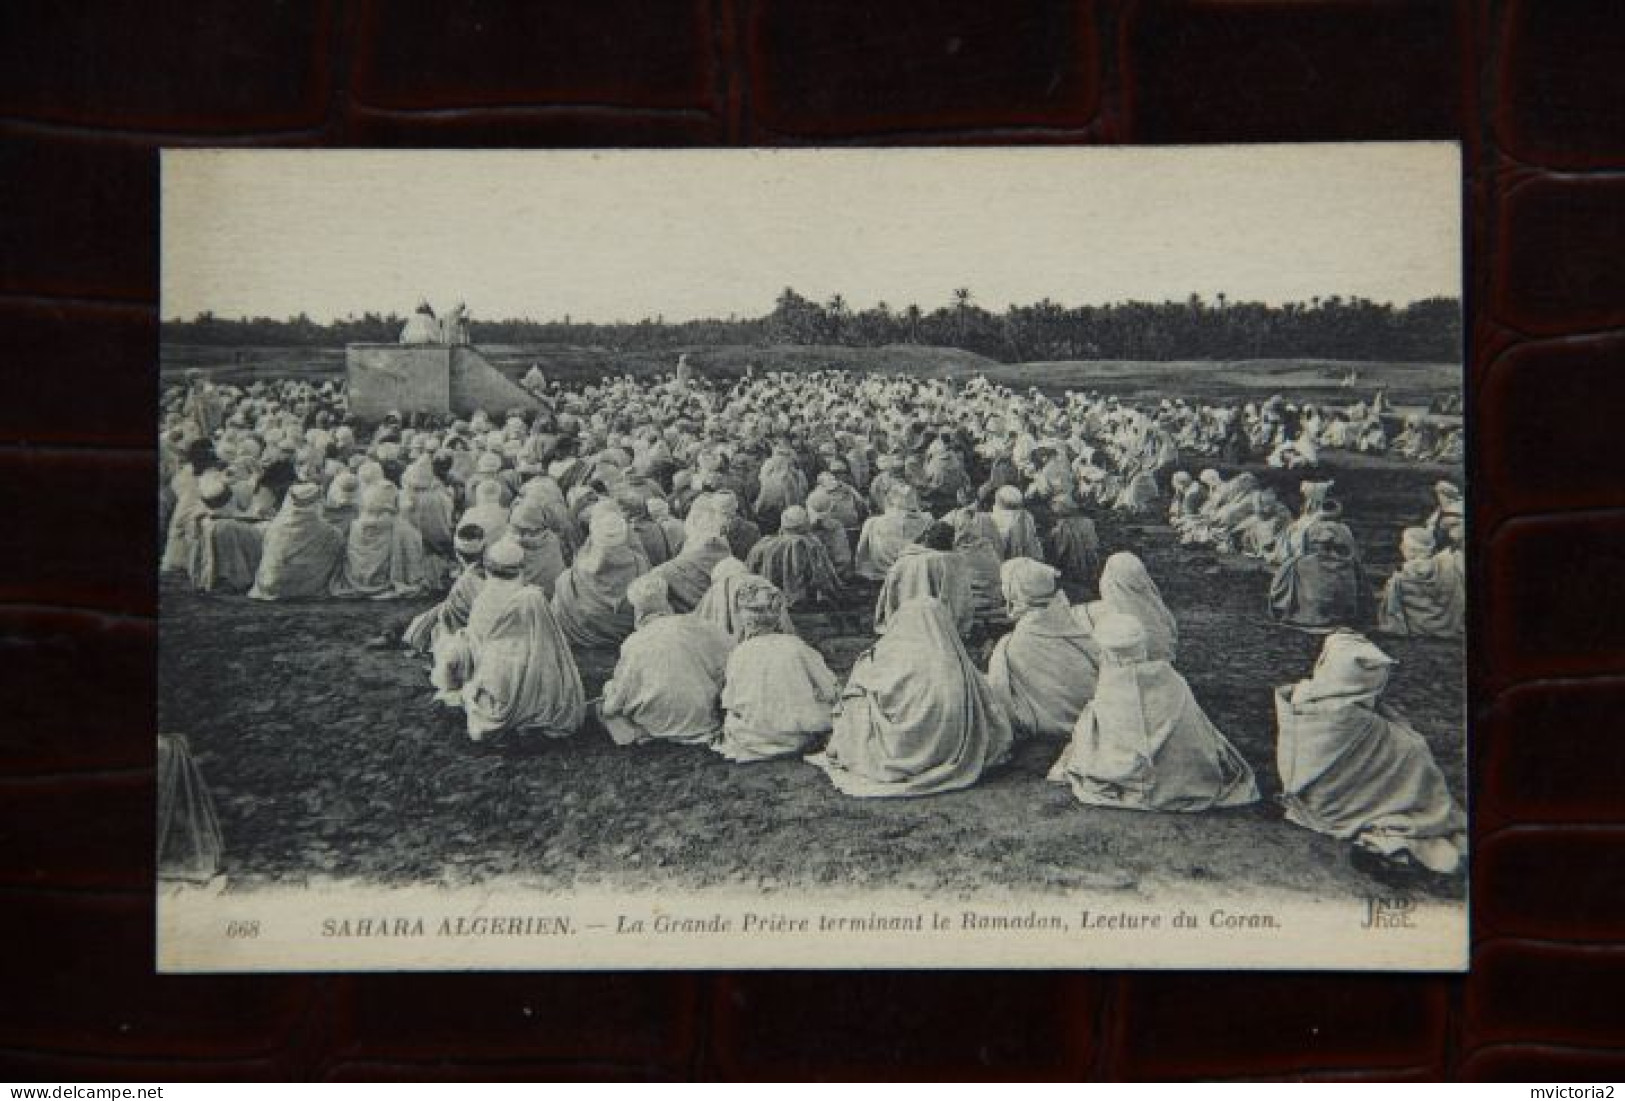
(1535, 90)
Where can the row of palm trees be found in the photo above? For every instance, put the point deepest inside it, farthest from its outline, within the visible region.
(1333, 327)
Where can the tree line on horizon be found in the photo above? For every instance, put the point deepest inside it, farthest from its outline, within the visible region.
(1334, 327)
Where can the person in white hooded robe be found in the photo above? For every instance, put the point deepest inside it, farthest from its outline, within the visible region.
(301, 550)
(589, 599)
(916, 716)
(1018, 533)
(1127, 588)
(1143, 742)
(449, 616)
(688, 575)
(667, 685)
(1046, 668)
(509, 668)
(1355, 769)
(1425, 598)
(929, 567)
(383, 556)
(778, 693)
(884, 537)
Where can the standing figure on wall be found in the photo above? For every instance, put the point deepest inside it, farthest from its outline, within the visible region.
(422, 328)
(454, 326)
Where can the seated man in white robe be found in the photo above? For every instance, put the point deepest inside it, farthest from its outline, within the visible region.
(674, 530)
(839, 500)
(383, 556)
(301, 550)
(1018, 532)
(796, 561)
(740, 533)
(929, 567)
(487, 511)
(1425, 596)
(1353, 768)
(781, 484)
(667, 685)
(1324, 587)
(451, 614)
(830, 532)
(884, 537)
(688, 575)
(1047, 667)
(531, 523)
(979, 546)
(510, 668)
(916, 716)
(778, 693)
(226, 554)
(1143, 742)
(1127, 588)
(589, 599)
(1184, 496)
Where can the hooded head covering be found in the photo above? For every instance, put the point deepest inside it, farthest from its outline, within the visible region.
(761, 607)
(608, 528)
(304, 495)
(1122, 636)
(382, 497)
(505, 557)
(1453, 527)
(212, 488)
(1416, 543)
(794, 521)
(469, 541)
(1126, 588)
(1315, 495)
(704, 521)
(903, 496)
(1007, 497)
(1027, 583)
(1350, 670)
(531, 514)
(1211, 478)
(649, 595)
(343, 490)
(420, 475)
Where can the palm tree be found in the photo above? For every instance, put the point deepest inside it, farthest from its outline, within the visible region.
(836, 312)
(962, 300)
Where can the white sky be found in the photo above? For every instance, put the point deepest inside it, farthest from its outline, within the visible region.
(620, 235)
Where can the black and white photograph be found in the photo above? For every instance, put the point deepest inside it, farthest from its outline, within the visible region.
(812, 558)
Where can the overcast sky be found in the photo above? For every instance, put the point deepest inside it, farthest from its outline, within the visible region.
(621, 235)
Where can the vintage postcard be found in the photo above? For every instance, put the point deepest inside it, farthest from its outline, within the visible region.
(1039, 558)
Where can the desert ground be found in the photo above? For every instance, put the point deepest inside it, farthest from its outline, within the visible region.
(330, 760)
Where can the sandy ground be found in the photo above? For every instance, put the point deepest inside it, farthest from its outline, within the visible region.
(328, 760)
